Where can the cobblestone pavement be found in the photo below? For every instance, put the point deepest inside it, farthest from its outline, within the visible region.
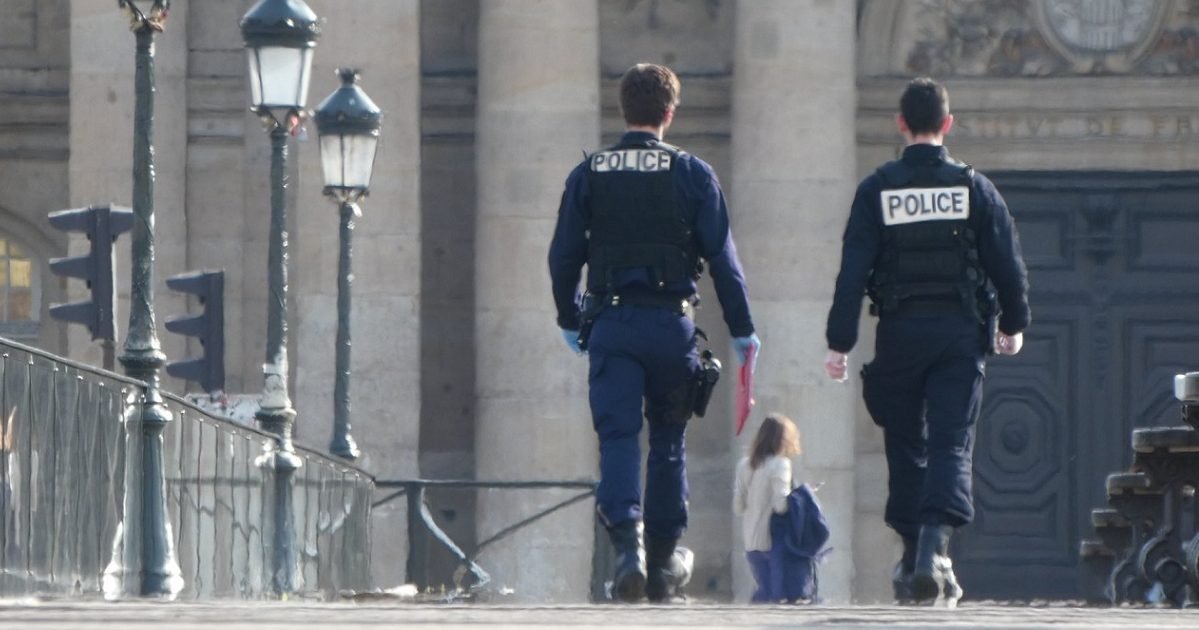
(240, 615)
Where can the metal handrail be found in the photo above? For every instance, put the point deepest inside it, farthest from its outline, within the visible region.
(83, 367)
(420, 518)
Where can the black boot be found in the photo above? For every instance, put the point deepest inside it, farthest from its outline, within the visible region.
(933, 574)
(901, 577)
(628, 585)
(669, 570)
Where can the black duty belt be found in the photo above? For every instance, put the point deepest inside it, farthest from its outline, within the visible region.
(928, 308)
(682, 305)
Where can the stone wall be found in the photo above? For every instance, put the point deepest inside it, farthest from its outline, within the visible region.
(34, 110)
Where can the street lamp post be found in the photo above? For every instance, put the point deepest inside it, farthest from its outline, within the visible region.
(146, 527)
(348, 123)
(280, 36)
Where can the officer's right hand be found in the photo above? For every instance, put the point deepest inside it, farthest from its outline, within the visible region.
(1009, 344)
(836, 365)
(572, 339)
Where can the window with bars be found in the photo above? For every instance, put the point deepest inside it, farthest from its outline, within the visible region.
(19, 306)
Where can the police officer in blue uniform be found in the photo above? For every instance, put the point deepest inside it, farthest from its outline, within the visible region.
(931, 242)
(644, 216)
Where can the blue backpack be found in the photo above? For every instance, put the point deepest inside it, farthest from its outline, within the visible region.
(798, 540)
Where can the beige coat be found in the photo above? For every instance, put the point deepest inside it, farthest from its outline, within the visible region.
(758, 494)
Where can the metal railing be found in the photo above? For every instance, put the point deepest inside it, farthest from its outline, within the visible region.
(220, 505)
(62, 487)
(62, 472)
(470, 578)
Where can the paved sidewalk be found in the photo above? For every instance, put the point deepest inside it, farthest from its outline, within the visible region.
(240, 615)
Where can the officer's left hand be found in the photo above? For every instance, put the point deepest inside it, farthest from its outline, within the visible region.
(836, 365)
(743, 346)
(572, 340)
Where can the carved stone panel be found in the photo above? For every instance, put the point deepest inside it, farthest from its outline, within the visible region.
(690, 36)
(18, 24)
(1007, 38)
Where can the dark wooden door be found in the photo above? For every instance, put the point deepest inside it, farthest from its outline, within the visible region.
(1114, 271)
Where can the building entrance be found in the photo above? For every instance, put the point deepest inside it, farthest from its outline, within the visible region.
(1113, 263)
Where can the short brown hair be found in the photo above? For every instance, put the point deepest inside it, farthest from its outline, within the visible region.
(647, 92)
(924, 106)
(778, 435)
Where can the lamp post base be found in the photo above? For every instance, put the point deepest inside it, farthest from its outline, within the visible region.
(282, 463)
(345, 448)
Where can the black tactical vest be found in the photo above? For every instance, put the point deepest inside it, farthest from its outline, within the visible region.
(928, 262)
(634, 219)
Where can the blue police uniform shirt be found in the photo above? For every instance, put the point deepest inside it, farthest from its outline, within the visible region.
(698, 189)
(998, 250)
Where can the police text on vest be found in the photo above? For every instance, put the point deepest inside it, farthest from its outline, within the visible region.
(635, 160)
(913, 205)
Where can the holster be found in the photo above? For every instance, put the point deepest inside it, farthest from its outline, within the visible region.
(705, 382)
(694, 394)
(588, 311)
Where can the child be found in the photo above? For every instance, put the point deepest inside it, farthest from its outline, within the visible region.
(763, 484)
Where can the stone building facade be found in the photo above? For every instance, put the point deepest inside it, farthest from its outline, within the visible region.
(458, 370)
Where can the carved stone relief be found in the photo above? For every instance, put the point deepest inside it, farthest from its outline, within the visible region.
(1054, 37)
(690, 36)
(18, 24)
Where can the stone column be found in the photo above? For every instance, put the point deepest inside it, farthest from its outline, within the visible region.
(101, 142)
(794, 173)
(538, 110)
(382, 39)
(172, 254)
(224, 230)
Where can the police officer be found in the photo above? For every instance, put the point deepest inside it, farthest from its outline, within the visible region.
(931, 241)
(643, 216)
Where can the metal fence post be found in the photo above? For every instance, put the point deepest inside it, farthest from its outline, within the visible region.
(418, 538)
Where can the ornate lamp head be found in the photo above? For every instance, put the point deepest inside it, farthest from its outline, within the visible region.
(348, 123)
(280, 36)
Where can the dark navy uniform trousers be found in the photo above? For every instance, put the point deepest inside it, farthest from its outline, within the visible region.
(641, 353)
(924, 388)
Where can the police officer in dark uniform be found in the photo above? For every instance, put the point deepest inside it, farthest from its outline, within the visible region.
(643, 216)
(931, 242)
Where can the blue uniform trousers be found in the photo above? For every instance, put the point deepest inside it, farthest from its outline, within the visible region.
(924, 388)
(642, 353)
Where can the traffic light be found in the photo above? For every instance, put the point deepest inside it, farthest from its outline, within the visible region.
(208, 327)
(102, 225)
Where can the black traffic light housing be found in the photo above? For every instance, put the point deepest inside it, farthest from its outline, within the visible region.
(208, 327)
(101, 225)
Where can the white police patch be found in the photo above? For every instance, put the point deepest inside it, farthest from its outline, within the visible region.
(634, 160)
(913, 205)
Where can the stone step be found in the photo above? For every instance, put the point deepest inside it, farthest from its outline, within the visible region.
(1180, 439)
(1094, 549)
(1130, 483)
(1108, 517)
